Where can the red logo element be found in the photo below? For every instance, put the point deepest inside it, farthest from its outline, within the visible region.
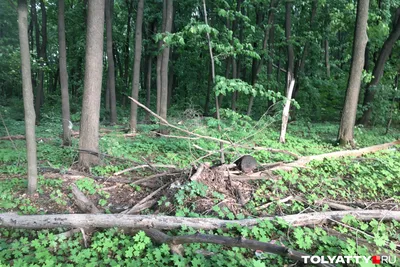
(376, 259)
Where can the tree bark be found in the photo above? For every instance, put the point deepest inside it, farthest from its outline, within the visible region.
(27, 95)
(129, 4)
(42, 58)
(327, 64)
(257, 66)
(164, 65)
(64, 75)
(148, 84)
(12, 220)
(111, 64)
(346, 130)
(300, 72)
(285, 113)
(89, 130)
(379, 67)
(136, 66)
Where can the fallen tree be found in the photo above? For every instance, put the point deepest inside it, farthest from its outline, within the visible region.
(14, 220)
(302, 162)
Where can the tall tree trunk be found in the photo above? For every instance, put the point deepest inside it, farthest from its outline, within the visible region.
(164, 65)
(346, 130)
(213, 79)
(257, 66)
(171, 80)
(64, 75)
(28, 96)
(148, 85)
(89, 130)
(111, 65)
(129, 4)
(300, 71)
(136, 66)
(160, 59)
(379, 67)
(327, 64)
(209, 85)
(42, 58)
(290, 69)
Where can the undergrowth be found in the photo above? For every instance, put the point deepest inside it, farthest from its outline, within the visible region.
(370, 180)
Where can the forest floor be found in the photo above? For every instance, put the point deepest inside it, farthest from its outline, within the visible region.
(164, 166)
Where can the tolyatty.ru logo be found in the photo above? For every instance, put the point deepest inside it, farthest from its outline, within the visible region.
(350, 259)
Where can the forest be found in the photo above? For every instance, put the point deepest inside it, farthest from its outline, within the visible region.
(199, 133)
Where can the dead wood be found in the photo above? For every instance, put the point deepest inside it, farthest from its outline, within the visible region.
(301, 163)
(145, 202)
(83, 202)
(162, 238)
(170, 222)
(166, 123)
(198, 172)
(335, 206)
(145, 166)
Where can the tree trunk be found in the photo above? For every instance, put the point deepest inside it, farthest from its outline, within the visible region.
(379, 67)
(64, 75)
(111, 65)
(129, 4)
(28, 96)
(160, 59)
(148, 85)
(257, 66)
(209, 85)
(327, 64)
(346, 130)
(300, 71)
(42, 58)
(89, 130)
(136, 66)
(290, 69)
(164, 65)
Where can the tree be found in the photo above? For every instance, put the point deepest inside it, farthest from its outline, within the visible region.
(63, 75)
(164, 62)
(89, 130)
(290, 69)
(111, 65)
(136, 66)
(29, 109)
(42, 58)
(379, 67)
(346, 130)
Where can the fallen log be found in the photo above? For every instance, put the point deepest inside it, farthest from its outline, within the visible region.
(13, 220)
(162, 238)
(302, 162)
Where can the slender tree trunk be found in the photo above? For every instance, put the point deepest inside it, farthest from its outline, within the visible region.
(28, 96)
(300, 71)
(171, 80)
(379, 67)
(136, 66)
(346, 130)
(327, 64)
(164, 65)
(148, 84)
(89, 130)
(42, 58)
(213, 79)
(209, 84)
(107, 96)
(111, 64)
(290, 69)
(64, 75)
(257, 66)
(129, 4)
(160, 60)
